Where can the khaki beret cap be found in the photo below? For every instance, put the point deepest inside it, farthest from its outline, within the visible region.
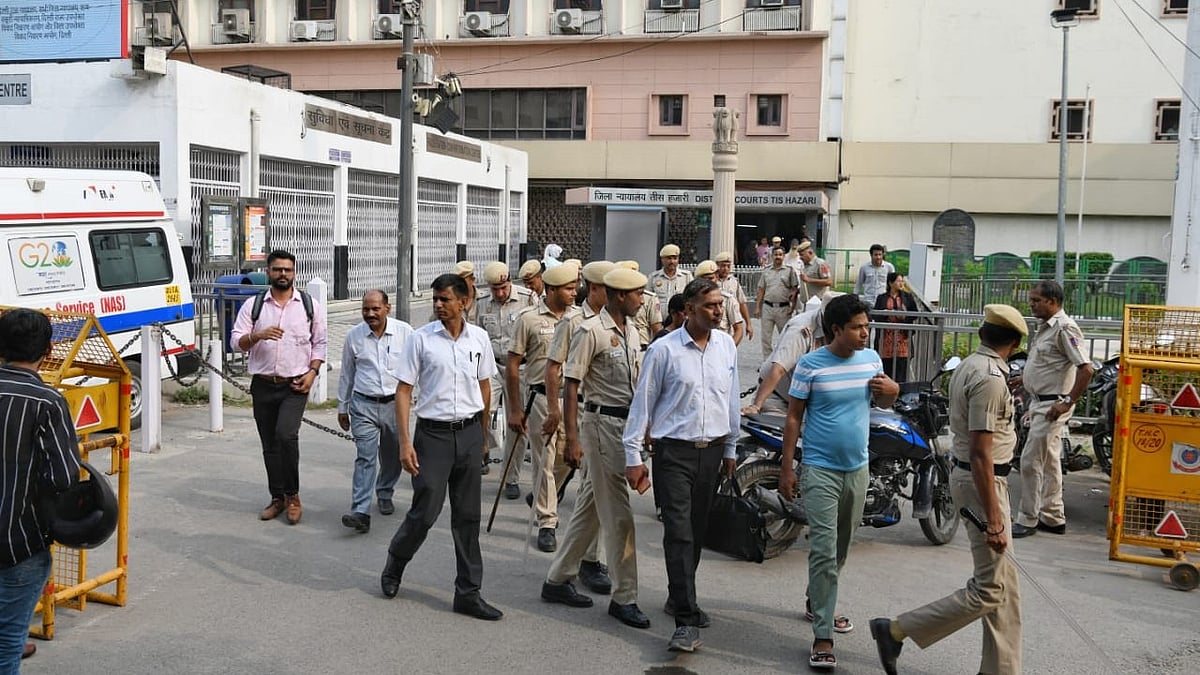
(804, 246)
(530, 269)
(1005, 316)
(594, 271)
(629, 265)
(706, 267)
(621, 279)
(464, 268)
(669, 249)
(574, 261)
(776, 240)
(561, 275)
(724, 256)
(496, 272)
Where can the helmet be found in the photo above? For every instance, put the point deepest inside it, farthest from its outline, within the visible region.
(85, 515)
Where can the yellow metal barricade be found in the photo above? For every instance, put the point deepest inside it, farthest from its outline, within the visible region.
(1155, 490)
(86, 368)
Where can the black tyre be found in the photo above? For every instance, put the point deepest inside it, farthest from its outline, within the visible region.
(942, 524)
(1102, 446)
(781, 532)
(135, 394)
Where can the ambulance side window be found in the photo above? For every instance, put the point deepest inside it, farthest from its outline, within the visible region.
(130, 258)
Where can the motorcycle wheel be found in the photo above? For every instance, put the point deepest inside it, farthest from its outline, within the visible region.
(1102, 446)
(781, 532)
(942, 524)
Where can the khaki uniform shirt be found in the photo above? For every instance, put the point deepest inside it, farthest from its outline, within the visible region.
(730, 315)
(1054, 353)
(730, 284)
(980, 401)
(817, 269)
(647, 316)
(605, 359)
(778, 283)
(498, 318)
(531, 338)
(663, 287)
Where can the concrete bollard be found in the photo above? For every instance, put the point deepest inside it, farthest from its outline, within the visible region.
(216, 388)
(151, 389)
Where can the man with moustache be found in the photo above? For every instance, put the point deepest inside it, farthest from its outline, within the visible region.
(668, 280)
(730, 284)
(775, 299)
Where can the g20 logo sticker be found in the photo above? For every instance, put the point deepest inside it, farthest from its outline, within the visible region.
(1185, 459)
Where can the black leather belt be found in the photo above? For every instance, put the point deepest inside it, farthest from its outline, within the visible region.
(455, 425)
(275, 379)
(695, 445)
(776, 304)
(378, 399)
(610, 410)
(1001, 470)
(541, 389)
(1049, 397)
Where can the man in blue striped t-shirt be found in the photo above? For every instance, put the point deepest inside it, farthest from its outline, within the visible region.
(835, 385)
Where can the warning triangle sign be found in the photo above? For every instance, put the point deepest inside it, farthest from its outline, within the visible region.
(88, 414)
(1187, 398)
(1171, 527)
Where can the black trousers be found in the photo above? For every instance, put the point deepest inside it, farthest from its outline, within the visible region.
(896, 368)
(277, 414)
(685, 480)
(449, 462)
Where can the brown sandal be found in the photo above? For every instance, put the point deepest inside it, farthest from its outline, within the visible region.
(822, 660)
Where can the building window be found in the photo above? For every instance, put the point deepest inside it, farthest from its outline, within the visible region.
(315, 10)
(1177, 8)
(129, 258)
(670, 110)
(585, 5)
(770, 110)
(1084, 9)
(491, 6)
(382, 101)
(1166, 120)
(667, 115)
(766, 115)
(236, 4)
(1077, 110)
(673, 4)
(391, 6)
(718, 100)
(522, 114)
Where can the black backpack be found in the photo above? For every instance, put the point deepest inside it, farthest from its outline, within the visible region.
(305, 299)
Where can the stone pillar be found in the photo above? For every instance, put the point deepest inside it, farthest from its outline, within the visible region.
(724, 164)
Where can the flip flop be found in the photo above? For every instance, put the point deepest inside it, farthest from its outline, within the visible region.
(822, 660)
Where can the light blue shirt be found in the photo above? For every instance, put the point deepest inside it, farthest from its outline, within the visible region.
(685, 393)
(837, 414)
(447, 371)
(368, 361)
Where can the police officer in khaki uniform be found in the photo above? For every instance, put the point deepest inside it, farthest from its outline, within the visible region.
(649, 319)
(981, 421)
(730, 284)
(1056, 375)
(531, 275)
(776, 298)
(466, 270)
(668, 280)
(731, 320)
(531, 339)
(817, 277)
(605, 359)
(496, 313)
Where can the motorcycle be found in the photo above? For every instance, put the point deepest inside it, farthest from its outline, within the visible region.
(1104, 387)
(1071, 458)
(903, 444)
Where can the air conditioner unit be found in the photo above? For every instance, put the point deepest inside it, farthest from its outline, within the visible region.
(479, 23)
(304, 30)
(389, 25)
(235, 22)
(159, 26)
(671, 4)
(568, 20)
(770, 3)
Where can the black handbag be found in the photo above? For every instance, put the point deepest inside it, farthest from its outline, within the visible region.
(735, 526)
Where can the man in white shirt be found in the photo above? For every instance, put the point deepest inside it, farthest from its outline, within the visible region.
(872, 276)
(686, 402)
(366, 406)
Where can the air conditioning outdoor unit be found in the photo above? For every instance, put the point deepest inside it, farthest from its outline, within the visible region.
(304, 30)
(671, 4)
(159, 26)
(235, 22)
(479, 23)
(569, 20)
(389, 25)
(770, 3)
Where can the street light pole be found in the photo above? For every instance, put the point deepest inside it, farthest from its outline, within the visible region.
(1064, 19)
(404, 240)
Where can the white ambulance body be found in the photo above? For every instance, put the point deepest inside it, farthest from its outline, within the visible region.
(102, 243)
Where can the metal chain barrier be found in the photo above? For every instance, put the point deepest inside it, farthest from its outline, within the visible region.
(204, 365)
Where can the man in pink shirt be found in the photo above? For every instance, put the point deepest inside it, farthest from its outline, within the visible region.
(286, 349)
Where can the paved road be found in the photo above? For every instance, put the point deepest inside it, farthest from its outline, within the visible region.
(214, 590)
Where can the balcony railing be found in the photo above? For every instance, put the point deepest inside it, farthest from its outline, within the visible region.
(773, 18)
(678, 21)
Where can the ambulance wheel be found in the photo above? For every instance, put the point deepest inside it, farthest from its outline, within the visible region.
(135, 394)
(1185, 576)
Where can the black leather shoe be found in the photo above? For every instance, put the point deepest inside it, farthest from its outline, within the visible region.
(386, 507)
(887, 646)
(565, 594)
(389, 581)
(1019, 531)
(594, 577)
(477, 608)
(512, 491)
(359, 522)
(529, 500)
(701, 620)
(1052, 529)
(629, 615)
(547, 543)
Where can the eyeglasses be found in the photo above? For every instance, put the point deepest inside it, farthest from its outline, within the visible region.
(284, 270)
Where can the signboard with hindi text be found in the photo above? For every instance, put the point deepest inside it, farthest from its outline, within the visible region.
(798, 200)
(63, 30)
(347, 124)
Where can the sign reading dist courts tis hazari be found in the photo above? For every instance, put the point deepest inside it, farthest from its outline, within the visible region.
(63, 30)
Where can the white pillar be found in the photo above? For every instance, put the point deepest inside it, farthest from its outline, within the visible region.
(319, 291)
(151, 389)
(1183, 272)
(216, 387)
(725, 165)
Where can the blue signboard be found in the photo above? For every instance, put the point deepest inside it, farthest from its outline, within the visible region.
(62, 30)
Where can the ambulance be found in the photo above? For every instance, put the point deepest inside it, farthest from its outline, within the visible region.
(101, 243)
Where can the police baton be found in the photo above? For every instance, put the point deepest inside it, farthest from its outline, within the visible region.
(508, 462)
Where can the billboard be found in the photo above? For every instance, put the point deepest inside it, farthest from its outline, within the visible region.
(63, 30)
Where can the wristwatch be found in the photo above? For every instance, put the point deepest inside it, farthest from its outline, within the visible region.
(1066, 399)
